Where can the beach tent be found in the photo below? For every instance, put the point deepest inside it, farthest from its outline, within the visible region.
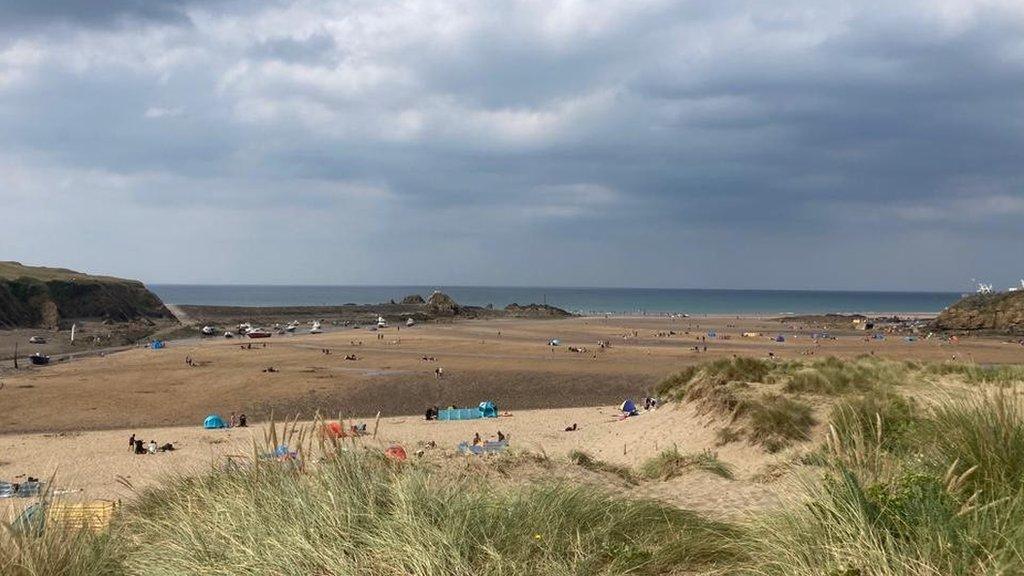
(157, 344)
(333, 430)
(213, 421)
(484, 410)
(396, 452)
(628, 407)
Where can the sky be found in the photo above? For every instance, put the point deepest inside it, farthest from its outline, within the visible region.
(722, 144)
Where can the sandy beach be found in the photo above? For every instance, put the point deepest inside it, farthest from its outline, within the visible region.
(73, 419)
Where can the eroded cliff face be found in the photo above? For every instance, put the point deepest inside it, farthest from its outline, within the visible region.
(1003, 312)
(41, 297)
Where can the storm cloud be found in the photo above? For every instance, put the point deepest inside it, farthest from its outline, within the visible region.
(791, 144)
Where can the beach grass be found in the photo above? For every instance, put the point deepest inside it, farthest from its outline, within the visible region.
(947, 498)
(361, 514)
(670, 463)
(589, 462)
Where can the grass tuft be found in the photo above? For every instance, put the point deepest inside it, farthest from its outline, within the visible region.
(671, 463)
(776, 421)
(588, 462)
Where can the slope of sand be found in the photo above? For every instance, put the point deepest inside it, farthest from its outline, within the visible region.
(98, 464)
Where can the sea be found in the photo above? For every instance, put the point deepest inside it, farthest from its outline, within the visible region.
(579, 300)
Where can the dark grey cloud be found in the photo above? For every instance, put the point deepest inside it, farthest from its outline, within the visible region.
(29, 14)
(797, 144)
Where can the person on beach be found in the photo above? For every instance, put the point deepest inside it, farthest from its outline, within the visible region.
(242, 421)
(476, 439)
(152, 447)
(234, 421)
(131, 442)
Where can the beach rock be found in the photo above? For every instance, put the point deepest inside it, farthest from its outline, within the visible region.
(413, 299)
(441, 303)
(535, 311)
(1002, 312)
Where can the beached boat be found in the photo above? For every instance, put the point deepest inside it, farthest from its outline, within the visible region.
(208, 331)
(316, 328)
(381, 322)
(291, 326)
(229, 335)
(258, 333)
(37, 340)
(39, 359)
(410, 322)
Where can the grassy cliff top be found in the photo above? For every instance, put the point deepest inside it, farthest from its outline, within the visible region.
(13, 270)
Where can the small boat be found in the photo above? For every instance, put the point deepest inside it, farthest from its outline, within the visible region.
(208, 331)
(291, 326)
(37, 340)
(39, 359)
(229, 335)
(244, 329)
(410, 322)
(381, 322)
(258, 333)
(316, 328)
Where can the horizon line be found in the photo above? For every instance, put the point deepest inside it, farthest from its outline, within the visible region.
(528, 287)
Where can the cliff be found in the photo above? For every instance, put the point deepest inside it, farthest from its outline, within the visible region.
(39, 297)
(1002, 312)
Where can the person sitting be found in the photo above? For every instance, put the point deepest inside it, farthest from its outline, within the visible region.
(476, 439)
(152, 448)
(571, 428)
(139, 448)
(242, 421)
(501, 437)
(167, 447)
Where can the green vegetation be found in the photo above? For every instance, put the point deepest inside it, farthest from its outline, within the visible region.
(775, 417)
(362, 514)
(776, 420)
(832, 376)
(59, 553)
(586, 461)
(14, 270)
(946, 497)
(671, 463)
(978, 374)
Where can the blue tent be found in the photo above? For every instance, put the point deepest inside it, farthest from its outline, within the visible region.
(157, 344)
(213, 421)
(628, 407)
(488, 409)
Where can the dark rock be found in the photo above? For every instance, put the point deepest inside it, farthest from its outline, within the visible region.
(1003, 312)
(535, 311)
(413, 299)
